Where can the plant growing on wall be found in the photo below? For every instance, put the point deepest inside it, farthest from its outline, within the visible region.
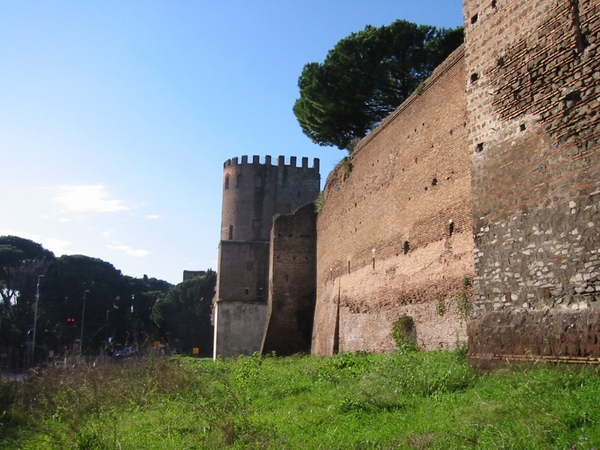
(319, 202)
(405, 334)
(440, 305)
(464, 308)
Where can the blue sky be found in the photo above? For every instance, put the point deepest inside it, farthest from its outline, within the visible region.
(116, 116)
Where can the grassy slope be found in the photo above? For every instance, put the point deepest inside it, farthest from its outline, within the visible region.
(414, 400)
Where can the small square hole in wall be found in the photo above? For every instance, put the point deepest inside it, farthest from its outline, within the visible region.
(406, 247)
(474, 18)
(474, 77)
(479, 147)
(493, 5)
(522, 127)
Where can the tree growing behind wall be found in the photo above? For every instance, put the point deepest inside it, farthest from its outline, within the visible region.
(365, 77)
(183, 315)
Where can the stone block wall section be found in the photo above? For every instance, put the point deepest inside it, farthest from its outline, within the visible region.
(239, 328)
(292, 281)
(533, 91)
(394, 235)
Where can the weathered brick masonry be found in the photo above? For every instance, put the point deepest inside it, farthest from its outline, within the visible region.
(253, 192)
(292, 280)
(489, 172)
(394, 235)
(534, 132)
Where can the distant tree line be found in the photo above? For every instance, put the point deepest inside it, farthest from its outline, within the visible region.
(85, 298)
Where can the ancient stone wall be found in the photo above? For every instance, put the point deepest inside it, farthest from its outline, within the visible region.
(253, 193)
(239, 327)
(534, 134)
(292, 281)
(394, 235)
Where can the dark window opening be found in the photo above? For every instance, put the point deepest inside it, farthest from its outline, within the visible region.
(479, 147)
(522, 127)
(434, 182)
(287, 277)
(247, 291)
(474, 77)
(238, 182)
(406, 247)
(260, 292)
(348, 266)
(493, 3)
(451, 228)
(474, 18)
(230, 232)
(373, 263)
(227, 182)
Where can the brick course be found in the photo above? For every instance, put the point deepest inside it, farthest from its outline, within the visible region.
(394, 232)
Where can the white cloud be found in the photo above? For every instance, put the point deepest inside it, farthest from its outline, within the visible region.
(87, 198)
(129, 251)
(55, 245)
(152, 217)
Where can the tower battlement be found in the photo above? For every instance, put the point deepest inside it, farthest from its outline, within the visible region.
(268, 161)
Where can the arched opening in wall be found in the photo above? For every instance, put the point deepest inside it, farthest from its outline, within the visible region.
(257, 181)
(247, 291)
(451, 228)
(227, 182)
(406, 247)
(230, 232)
(238, 182)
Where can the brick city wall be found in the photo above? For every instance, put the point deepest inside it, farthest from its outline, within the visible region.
(533, 90)
(292, 281)
(394, 232)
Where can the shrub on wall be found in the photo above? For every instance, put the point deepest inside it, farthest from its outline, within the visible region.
(405, 334)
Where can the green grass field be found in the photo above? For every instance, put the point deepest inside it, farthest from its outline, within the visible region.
(405, 400)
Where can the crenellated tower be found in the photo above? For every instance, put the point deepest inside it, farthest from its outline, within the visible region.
(253, 194)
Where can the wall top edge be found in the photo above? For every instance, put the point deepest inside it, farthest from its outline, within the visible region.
(268, 161)
(452, 59)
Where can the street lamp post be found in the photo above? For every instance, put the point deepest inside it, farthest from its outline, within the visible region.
(82, 322)
(35, 314)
